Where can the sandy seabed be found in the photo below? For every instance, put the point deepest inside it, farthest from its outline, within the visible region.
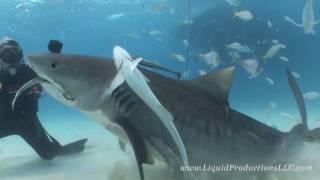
(102, 159)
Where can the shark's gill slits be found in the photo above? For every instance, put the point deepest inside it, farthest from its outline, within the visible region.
(124, 100)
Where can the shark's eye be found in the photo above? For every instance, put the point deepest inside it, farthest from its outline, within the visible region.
(53, 66)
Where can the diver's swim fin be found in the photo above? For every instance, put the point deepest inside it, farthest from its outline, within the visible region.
(74, 147)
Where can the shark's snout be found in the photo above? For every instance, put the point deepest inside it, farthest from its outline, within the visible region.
(39, 63)
(33, 59)
(27, 59)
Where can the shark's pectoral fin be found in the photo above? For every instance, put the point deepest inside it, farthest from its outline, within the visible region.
(217, 84)
(138, 145)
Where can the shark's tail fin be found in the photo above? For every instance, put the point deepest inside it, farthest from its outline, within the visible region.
(301, 128)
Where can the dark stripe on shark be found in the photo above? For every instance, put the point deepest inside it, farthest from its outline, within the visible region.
(125, 101)
(239, 129)
(198, 127)
(245, 123)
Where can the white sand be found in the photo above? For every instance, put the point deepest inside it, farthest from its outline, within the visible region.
(102, 160)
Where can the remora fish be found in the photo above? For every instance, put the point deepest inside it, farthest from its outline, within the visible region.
(308, 19)
(211, 131)
(128, 72)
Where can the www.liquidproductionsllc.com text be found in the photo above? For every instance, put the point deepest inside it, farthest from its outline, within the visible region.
(248, 168)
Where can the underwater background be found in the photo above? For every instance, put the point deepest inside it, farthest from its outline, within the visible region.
(159, 30)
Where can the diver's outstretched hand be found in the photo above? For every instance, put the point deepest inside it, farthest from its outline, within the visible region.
(74, 147)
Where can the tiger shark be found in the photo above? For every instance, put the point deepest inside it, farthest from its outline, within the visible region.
(212, 131)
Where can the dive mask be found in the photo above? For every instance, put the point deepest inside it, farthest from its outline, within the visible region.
(10, 54)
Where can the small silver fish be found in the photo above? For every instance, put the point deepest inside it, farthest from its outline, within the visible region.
(244, 15)
(273, 50)
(211, 58)
(179, 57)
(284, 59)
(239, 47)
(311, 96)
(252, 66)
(270, 81)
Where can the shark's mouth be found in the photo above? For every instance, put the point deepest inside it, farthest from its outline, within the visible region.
(56, 86)
(68, 97)
(40, 81)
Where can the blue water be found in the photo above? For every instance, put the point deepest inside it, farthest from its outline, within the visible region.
(86, 28)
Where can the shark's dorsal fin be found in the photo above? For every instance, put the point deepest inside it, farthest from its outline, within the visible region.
(217, 84)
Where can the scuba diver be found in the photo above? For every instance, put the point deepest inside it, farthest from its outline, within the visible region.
(23, 120)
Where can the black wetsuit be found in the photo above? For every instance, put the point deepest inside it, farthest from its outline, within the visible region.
(24, 120)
